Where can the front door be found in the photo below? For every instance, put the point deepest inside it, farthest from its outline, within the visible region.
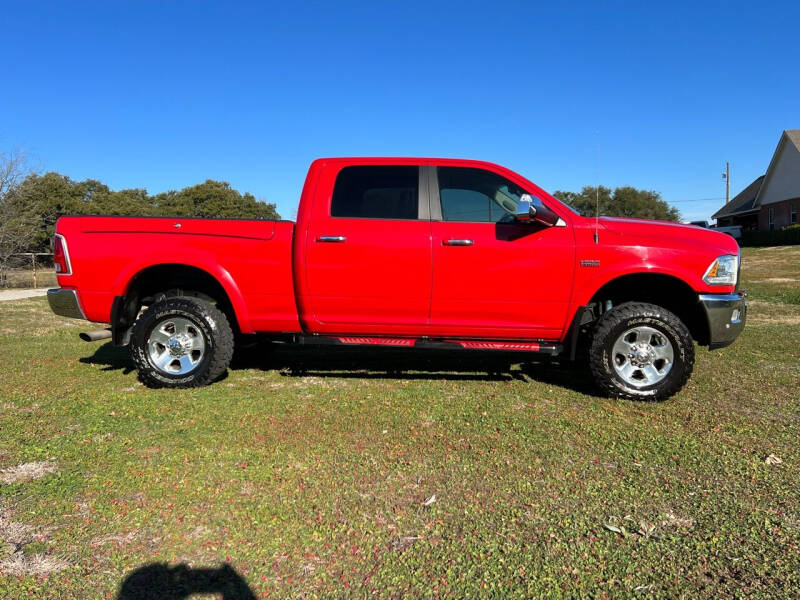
(369, 256)
(492, 276)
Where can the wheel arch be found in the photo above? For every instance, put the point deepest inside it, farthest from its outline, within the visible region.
(142, 285)
(668, 291)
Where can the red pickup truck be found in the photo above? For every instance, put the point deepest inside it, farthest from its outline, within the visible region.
(412, 253)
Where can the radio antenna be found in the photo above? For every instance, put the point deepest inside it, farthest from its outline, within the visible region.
(597, 187)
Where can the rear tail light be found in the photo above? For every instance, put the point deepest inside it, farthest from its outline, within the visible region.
(61, 256)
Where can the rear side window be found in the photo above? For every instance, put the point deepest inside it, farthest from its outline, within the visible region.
(477, 196)
(376, 192)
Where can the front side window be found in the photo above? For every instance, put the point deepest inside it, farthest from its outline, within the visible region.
(771, 219)
(376, 192)
(793, 214)
(477, 196)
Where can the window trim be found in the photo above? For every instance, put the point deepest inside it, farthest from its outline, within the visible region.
(423, 199)
(435, 202)
(771, 218)
(422, 206)
(792, 214)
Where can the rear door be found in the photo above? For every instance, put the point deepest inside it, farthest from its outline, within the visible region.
(492, 276)
(368, 254)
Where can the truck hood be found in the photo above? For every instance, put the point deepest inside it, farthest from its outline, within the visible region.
(668, 234)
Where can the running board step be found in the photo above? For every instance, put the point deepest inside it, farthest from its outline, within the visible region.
(424, 343)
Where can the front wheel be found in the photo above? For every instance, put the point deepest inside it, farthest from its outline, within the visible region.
(641, 351)
(180, 342)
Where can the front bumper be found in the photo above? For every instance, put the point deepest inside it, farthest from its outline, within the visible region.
(726, 314)
(65, 303)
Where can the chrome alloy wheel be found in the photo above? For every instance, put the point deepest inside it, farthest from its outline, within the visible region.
(176, 346)
(642, 356)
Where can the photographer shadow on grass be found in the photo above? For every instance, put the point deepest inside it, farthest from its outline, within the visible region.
(159, 581)
(384, 363)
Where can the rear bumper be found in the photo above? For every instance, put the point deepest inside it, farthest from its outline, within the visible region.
(65, 303)
(726, 315)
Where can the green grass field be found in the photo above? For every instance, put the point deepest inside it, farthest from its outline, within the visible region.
(305, 474)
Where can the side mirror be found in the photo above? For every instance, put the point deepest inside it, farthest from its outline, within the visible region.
(527, 212)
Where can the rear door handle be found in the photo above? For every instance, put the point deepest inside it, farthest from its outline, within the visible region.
(332, 239)
(457, 242)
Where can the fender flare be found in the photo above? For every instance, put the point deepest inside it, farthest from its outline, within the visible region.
(198, 260)
(682, 299)
(590, 289)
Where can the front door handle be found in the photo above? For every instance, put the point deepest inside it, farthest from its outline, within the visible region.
(457, 242)
(332, 239)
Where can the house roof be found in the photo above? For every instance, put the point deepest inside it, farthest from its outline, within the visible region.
(794, 136)
(749, 199)
(744, 201)
(791, 136)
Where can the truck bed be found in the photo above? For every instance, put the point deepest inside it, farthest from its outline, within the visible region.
(251, 260)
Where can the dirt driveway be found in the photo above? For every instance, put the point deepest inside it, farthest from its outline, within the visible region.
(20, 294)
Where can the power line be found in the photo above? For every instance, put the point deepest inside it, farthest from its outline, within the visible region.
(696, 200)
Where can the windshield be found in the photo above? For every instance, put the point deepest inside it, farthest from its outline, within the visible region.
(573, 209)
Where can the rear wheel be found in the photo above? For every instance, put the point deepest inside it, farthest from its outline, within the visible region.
(641, 351)
(181, 342)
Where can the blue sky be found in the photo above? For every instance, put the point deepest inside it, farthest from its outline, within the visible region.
(166, 94)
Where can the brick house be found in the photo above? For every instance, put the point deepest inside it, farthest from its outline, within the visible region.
(772, 201)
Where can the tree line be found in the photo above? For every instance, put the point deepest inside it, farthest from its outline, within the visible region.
(623, 201)
(31, 203)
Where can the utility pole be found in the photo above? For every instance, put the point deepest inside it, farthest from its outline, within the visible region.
(727, 177)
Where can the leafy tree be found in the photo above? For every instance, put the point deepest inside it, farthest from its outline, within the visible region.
(49, 196)
(623, 201)
(213, 199)
(133, 202)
